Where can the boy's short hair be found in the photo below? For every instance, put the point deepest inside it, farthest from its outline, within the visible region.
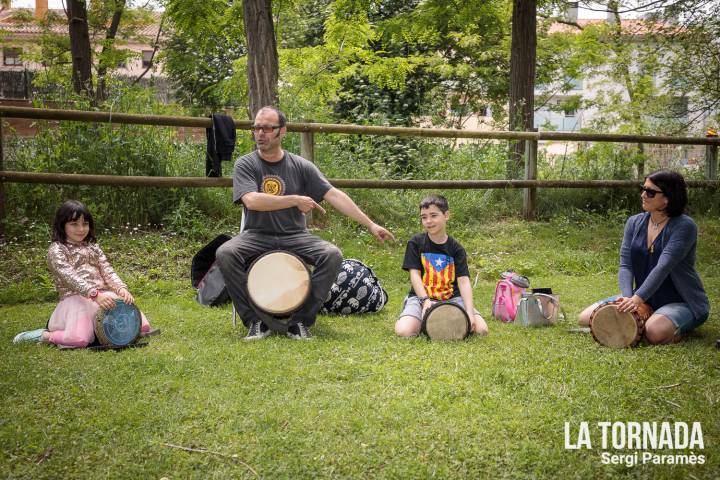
(437, 200)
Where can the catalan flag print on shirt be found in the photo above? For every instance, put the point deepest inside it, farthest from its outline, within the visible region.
(439, 275)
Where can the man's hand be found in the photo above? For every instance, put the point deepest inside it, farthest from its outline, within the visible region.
(380, 233)
(306, 204)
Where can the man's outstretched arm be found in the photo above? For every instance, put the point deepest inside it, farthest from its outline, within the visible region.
(345, 205)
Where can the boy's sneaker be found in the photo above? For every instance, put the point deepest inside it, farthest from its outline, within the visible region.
(258, 331)
(299, 332)
(29, 336)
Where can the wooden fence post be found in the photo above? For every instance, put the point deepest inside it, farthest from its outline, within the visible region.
(307, 144)
(2, 185)
(307, 151)
(530, 194)
(711, 157)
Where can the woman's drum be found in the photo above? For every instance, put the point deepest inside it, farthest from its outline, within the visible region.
(446, 321)
(278, 283)
(118, 327)
(616, 329)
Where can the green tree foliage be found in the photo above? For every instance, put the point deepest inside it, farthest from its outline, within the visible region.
(204, 41)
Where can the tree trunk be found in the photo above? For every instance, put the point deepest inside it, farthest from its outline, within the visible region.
(80, 46)
(623, 58)
(262, 61)
(522, 78)
(110, 35)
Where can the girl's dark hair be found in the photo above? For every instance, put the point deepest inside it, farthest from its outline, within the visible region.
(673, 187)
(437, 200)
(69, 211)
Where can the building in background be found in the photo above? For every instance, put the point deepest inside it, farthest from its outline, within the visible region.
(21, 30)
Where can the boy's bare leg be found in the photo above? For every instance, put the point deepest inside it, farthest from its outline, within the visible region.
(407, 326)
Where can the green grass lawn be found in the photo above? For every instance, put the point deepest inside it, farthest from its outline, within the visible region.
(357, 402)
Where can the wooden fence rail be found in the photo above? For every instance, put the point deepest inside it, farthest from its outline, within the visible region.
(202, 182)
(308, 129)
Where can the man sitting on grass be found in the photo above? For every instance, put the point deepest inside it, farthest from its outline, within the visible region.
(438, 271)
(277, 189)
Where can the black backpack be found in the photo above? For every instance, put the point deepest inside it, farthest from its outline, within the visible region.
(355, 290)
(206, 276)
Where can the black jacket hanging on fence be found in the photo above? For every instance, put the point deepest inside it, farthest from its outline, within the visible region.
(220, 144)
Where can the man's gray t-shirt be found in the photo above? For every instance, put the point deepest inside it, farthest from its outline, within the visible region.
(293, 175)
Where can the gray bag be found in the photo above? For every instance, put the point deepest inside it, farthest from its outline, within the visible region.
(212, 290)
(537, 310)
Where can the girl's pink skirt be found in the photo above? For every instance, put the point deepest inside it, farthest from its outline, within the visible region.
(72, 322)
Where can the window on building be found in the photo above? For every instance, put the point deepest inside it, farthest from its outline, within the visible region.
(570, 113)
(11, 56)
(147, 56)
(575, 83)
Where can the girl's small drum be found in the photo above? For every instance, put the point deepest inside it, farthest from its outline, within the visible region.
(446, 321)
(118, 327)
(616, 329)
(278, 283)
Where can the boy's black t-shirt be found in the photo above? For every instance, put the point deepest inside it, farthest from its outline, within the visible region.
(439, 265)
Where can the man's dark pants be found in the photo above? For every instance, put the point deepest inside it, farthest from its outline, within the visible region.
(235, 256)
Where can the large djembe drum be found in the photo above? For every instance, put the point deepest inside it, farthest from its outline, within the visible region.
(118, 327)
(616, 329)
(446, 321)
(278, 284)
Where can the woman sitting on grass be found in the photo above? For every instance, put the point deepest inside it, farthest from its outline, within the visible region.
(83, 277)
(657, 256)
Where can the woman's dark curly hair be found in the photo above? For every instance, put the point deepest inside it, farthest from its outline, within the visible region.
(69, 211)
(673, 187)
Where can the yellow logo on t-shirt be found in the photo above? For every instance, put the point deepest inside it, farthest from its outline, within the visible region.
(273, 185)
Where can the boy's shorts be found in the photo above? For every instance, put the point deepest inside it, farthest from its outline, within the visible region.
(679, 314)
(413, 308)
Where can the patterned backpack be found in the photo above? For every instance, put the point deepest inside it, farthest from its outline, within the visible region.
(508, 291)
(355, 290)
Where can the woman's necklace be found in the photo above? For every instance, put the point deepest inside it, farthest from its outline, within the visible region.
(655, 224)
(656, 227)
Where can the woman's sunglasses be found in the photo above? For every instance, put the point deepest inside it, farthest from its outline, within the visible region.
(650, 192)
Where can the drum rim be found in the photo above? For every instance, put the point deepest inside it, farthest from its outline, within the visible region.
(307, 294)
(439, 303)
(638, 321)
(99, 324)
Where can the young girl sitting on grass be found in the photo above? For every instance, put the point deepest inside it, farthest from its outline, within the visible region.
(84, 279)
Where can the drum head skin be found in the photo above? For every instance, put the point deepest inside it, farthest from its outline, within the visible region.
(118, 327)
(278, 283)
(613, 328)
(446, 321)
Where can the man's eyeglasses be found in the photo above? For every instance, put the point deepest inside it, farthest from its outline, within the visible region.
(265, 128)
(650, 192)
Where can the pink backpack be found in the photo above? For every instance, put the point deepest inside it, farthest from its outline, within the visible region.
(508, 291)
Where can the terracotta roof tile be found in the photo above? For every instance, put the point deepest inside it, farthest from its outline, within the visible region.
(10, 23)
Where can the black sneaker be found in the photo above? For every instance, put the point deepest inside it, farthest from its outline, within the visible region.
(299, 332)
(258, 331)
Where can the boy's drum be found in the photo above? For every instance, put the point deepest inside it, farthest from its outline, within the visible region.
(446, 321)
(118, 327)
(278, 283)
(613, 328)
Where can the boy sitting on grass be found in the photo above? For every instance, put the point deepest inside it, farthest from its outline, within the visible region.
(438, 271)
